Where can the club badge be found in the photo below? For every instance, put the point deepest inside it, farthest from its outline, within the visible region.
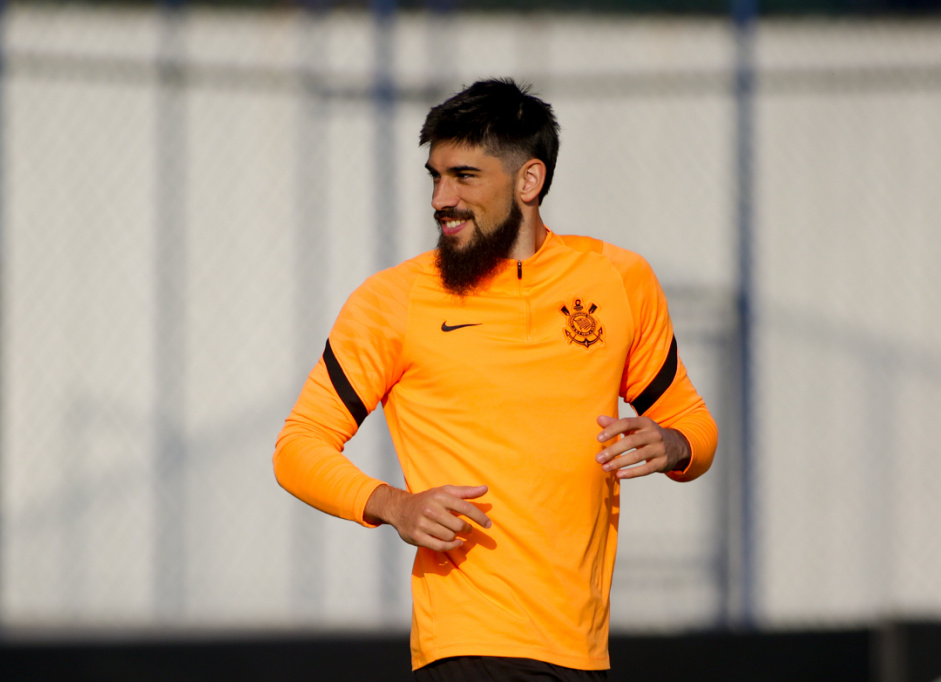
(581, 325)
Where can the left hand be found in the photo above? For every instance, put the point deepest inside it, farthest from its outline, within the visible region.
(646, 448)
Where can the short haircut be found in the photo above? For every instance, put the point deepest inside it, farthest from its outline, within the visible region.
(504, 119)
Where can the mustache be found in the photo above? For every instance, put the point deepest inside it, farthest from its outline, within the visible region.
(453, 214)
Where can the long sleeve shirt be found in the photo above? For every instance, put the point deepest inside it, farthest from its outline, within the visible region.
(501, 387)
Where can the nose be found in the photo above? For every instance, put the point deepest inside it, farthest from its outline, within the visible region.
(444, 195)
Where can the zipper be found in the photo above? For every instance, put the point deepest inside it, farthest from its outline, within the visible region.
(527, 304)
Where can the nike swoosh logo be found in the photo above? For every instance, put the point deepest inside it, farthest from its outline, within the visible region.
(445, 327)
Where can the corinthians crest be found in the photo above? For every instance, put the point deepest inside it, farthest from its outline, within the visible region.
(581, 325)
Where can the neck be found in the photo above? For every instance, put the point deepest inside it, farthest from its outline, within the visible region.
(532, 234)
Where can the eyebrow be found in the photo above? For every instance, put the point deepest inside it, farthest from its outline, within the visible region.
(453, 169)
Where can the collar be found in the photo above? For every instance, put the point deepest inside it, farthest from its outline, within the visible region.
(514, 275)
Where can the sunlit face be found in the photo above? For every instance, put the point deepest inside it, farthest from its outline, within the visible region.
(477, 213)
(471, 190)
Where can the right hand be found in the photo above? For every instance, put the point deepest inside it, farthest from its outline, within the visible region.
(431, 518)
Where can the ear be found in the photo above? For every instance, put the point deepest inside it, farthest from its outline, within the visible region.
(529, 181)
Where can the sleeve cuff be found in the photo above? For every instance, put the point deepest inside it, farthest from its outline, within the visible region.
(702, 435)
(362, 497)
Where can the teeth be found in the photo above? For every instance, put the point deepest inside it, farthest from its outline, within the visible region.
(452, 223)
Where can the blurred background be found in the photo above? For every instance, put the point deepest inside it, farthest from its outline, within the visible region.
(189, 192)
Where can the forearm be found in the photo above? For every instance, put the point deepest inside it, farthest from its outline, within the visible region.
(322, 477)
(309, 462)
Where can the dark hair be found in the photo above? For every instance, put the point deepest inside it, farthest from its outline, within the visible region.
(504, 119)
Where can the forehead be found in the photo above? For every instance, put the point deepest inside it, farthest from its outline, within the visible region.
(447, 155)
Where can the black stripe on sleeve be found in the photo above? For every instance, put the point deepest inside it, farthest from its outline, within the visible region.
(343, 386)
(660, 383)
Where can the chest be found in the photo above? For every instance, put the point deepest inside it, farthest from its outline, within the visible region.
(555, 339)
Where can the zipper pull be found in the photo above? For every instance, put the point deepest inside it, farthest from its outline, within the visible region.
(519, 269)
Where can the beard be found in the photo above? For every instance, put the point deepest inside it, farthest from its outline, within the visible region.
(463, 269)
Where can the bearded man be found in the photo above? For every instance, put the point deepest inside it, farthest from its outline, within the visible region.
(499, 359)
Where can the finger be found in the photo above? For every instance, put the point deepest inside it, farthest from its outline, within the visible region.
(426, 533)
(468, 509)
(640, 431)
(472, 512)
(619, 447)
(609, 428)
(466, 492)
(441, 523)
(626, 459)
(619, 426)
(636, 440)
(436, 544)
(626, 453)
(646, 469)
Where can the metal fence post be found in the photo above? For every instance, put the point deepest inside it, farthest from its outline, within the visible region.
(3, 270)
(170, 318)
(744, 16)
(386, 242)
(311, 261)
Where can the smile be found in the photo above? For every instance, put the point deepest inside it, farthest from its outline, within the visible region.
(450, 227)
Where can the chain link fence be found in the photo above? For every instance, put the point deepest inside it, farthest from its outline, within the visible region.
(188, 196)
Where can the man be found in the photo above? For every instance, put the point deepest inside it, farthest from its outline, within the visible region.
(499, 358)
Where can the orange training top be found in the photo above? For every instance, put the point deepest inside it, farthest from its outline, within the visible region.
(503, 388)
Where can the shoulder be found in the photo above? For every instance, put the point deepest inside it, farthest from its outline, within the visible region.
(384, 296)
(582, 244)
(405, 273)
(630, 265)
(397, 281)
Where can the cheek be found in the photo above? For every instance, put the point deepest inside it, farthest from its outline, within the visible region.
(494, 210)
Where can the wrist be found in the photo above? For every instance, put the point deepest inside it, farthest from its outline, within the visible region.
(382, 504)
(682, 450)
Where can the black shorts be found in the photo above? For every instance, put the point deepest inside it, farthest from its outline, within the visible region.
(500, 669)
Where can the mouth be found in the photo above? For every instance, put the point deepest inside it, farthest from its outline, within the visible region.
(451, 220)
(452, 226)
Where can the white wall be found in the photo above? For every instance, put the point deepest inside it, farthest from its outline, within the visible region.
(276, 204)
